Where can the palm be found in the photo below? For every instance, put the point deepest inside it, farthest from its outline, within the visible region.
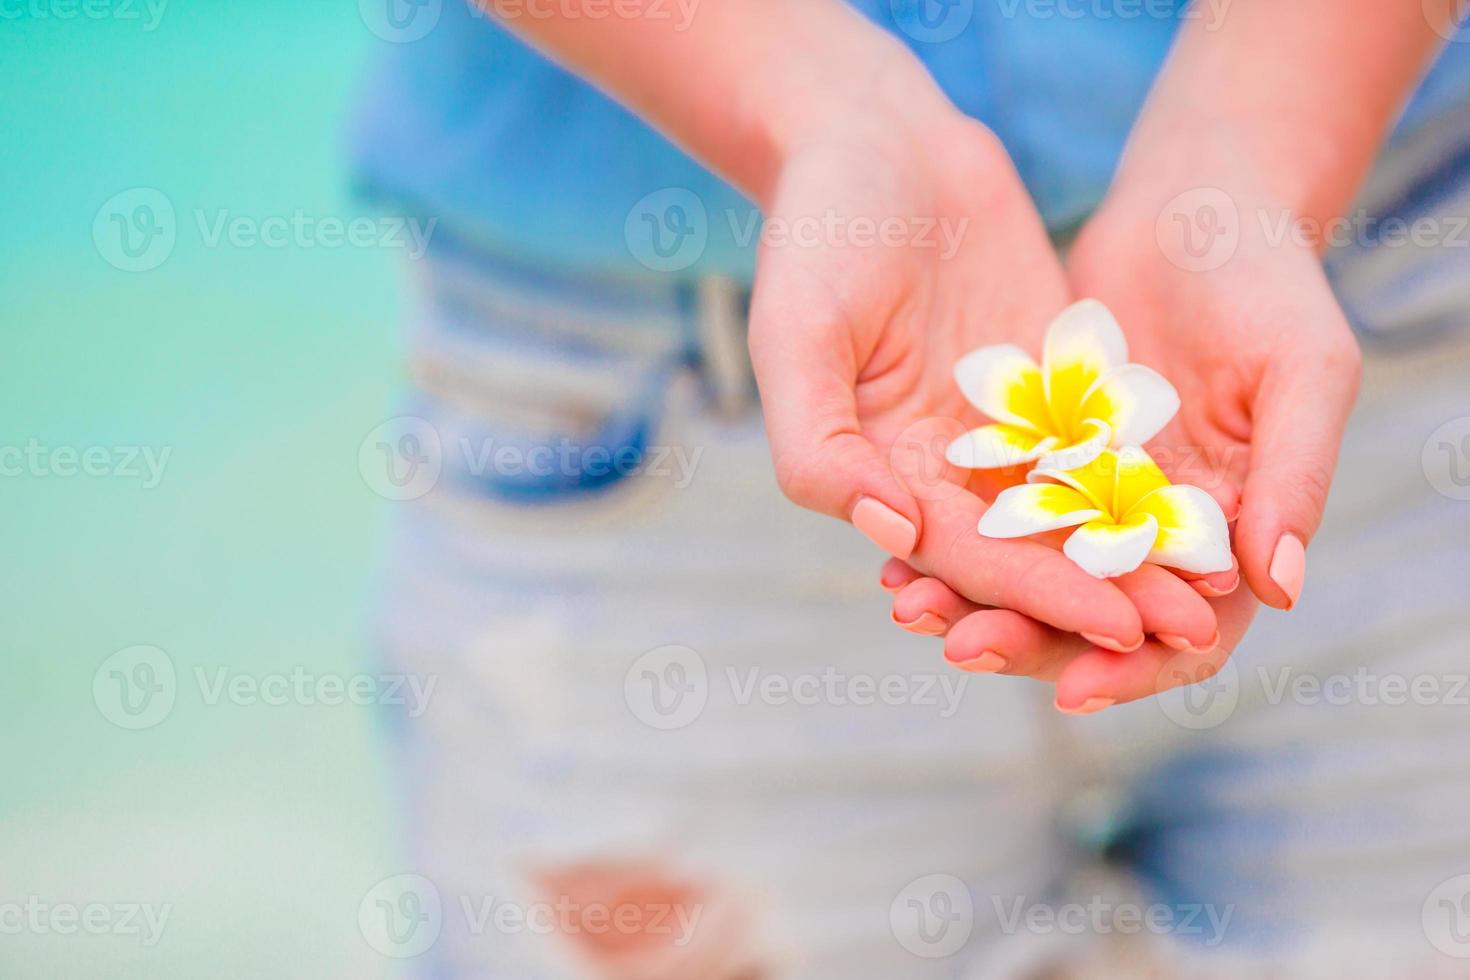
(1264, 362)
(965, 263)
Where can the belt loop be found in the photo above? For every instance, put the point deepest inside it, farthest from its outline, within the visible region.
(720, 317)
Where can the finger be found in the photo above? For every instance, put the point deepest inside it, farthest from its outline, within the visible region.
(1211, 468)
(1097, 679)
(929, 607)
(1171, 610)
(806, 367)
(1019, 574)
(1002, 641)
(1298, 419)
(1215, 584)
(1208, 467)
(896, 574)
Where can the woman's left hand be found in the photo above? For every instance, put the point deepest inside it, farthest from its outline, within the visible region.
(1226, 297)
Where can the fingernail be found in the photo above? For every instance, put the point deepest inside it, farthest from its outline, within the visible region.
(1108, 643)
(885, 527)
(1289, 567)
(989, 662)
(1175, 642)
(927, 624)
(1088, 707)
(891, 589)
(1210, 592)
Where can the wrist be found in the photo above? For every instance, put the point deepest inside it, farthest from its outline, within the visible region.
(858, 87)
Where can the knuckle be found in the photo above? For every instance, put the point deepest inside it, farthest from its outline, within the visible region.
(1310, 479)
(1342, 357)
(798, 477)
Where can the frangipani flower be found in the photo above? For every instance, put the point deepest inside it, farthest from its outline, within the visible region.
(1129, 513)
(1083, 398)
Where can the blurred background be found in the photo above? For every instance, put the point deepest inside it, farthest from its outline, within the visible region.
(204, 330)
(257, 369)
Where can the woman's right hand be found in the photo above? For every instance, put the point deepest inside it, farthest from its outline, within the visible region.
(899, 238)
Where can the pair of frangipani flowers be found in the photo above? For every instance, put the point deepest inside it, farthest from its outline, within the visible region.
(1082, 417)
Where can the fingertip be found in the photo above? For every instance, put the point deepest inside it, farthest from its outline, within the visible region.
(887, 526)
(1170, 607)
(1092, 676)
(929, 607)
(895, 575)
(1273, 559)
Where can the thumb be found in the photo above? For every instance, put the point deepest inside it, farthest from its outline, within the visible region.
(807, 372)
(1300, 411)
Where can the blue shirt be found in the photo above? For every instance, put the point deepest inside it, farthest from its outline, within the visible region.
(509, 151)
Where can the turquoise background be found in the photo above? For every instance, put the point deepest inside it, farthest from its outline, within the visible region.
(261, 369)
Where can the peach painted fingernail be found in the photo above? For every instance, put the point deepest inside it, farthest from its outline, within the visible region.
(1108, 643)
(927, 624)
(989, 662)
(1210, 592)
(1289, 567)
(885, 527)
(1089, 707)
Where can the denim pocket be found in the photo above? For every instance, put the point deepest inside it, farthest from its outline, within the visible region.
(540, 391)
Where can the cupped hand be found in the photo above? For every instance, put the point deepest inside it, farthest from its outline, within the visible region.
(894, 243)
(1220, 294)
(1088, 677)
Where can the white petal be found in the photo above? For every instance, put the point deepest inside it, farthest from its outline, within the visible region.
(1193, 535)
(1135, 400)
(995, 446)
(1107, 550)
(1084, 341)
(1004, 383)
(1033, 508)
(1081, 453)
